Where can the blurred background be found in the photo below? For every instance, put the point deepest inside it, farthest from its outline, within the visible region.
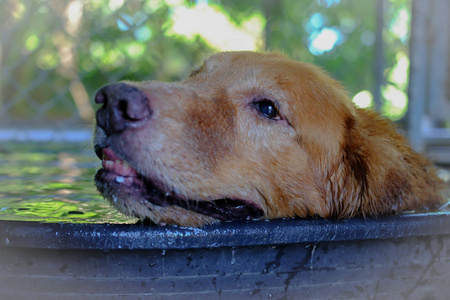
(55, 54)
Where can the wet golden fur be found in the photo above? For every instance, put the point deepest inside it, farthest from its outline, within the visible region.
(324, 157)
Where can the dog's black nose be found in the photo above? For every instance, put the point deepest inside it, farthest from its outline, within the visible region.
(124, 106)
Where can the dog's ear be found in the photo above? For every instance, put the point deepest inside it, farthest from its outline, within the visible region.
(349, 180)
(378, 172)
(371, 179)
(355, 157)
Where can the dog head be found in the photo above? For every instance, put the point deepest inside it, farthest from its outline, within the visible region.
(245, 136)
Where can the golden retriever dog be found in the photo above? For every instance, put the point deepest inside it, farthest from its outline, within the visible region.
(252, 136)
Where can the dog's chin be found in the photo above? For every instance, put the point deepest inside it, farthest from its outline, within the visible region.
(135, 195)
(130, 196)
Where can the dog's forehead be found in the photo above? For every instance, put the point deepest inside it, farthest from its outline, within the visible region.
(241, 65)
(224, 63)
(239, 60)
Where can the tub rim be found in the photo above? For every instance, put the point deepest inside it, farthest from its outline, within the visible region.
(31, 234)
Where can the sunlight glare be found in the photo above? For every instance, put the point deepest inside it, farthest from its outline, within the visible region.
(74, 13)
(324, 40)
(400, 24)
(217, 29)
(115, 4)
(363, 99)
(399, 73)
(395, 96)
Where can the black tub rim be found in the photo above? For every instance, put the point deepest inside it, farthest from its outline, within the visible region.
(32, 234)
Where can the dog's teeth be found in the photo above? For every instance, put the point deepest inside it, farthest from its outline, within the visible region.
(109, 163)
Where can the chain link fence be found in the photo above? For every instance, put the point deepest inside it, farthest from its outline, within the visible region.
(54, 55)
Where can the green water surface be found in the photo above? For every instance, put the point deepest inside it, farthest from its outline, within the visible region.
(52, 183)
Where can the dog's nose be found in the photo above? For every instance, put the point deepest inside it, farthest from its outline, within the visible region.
(124, 106)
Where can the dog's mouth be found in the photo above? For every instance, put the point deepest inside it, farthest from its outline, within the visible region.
(119, 180)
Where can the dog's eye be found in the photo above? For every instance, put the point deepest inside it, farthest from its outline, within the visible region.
(268, 109)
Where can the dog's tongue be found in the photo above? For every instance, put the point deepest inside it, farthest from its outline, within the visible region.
(113, 163)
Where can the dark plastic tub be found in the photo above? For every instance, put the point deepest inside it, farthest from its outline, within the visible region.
(396, 257)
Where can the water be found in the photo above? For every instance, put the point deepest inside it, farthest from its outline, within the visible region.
(52, 182)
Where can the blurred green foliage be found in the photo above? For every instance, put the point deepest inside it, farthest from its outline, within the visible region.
(54, 55)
